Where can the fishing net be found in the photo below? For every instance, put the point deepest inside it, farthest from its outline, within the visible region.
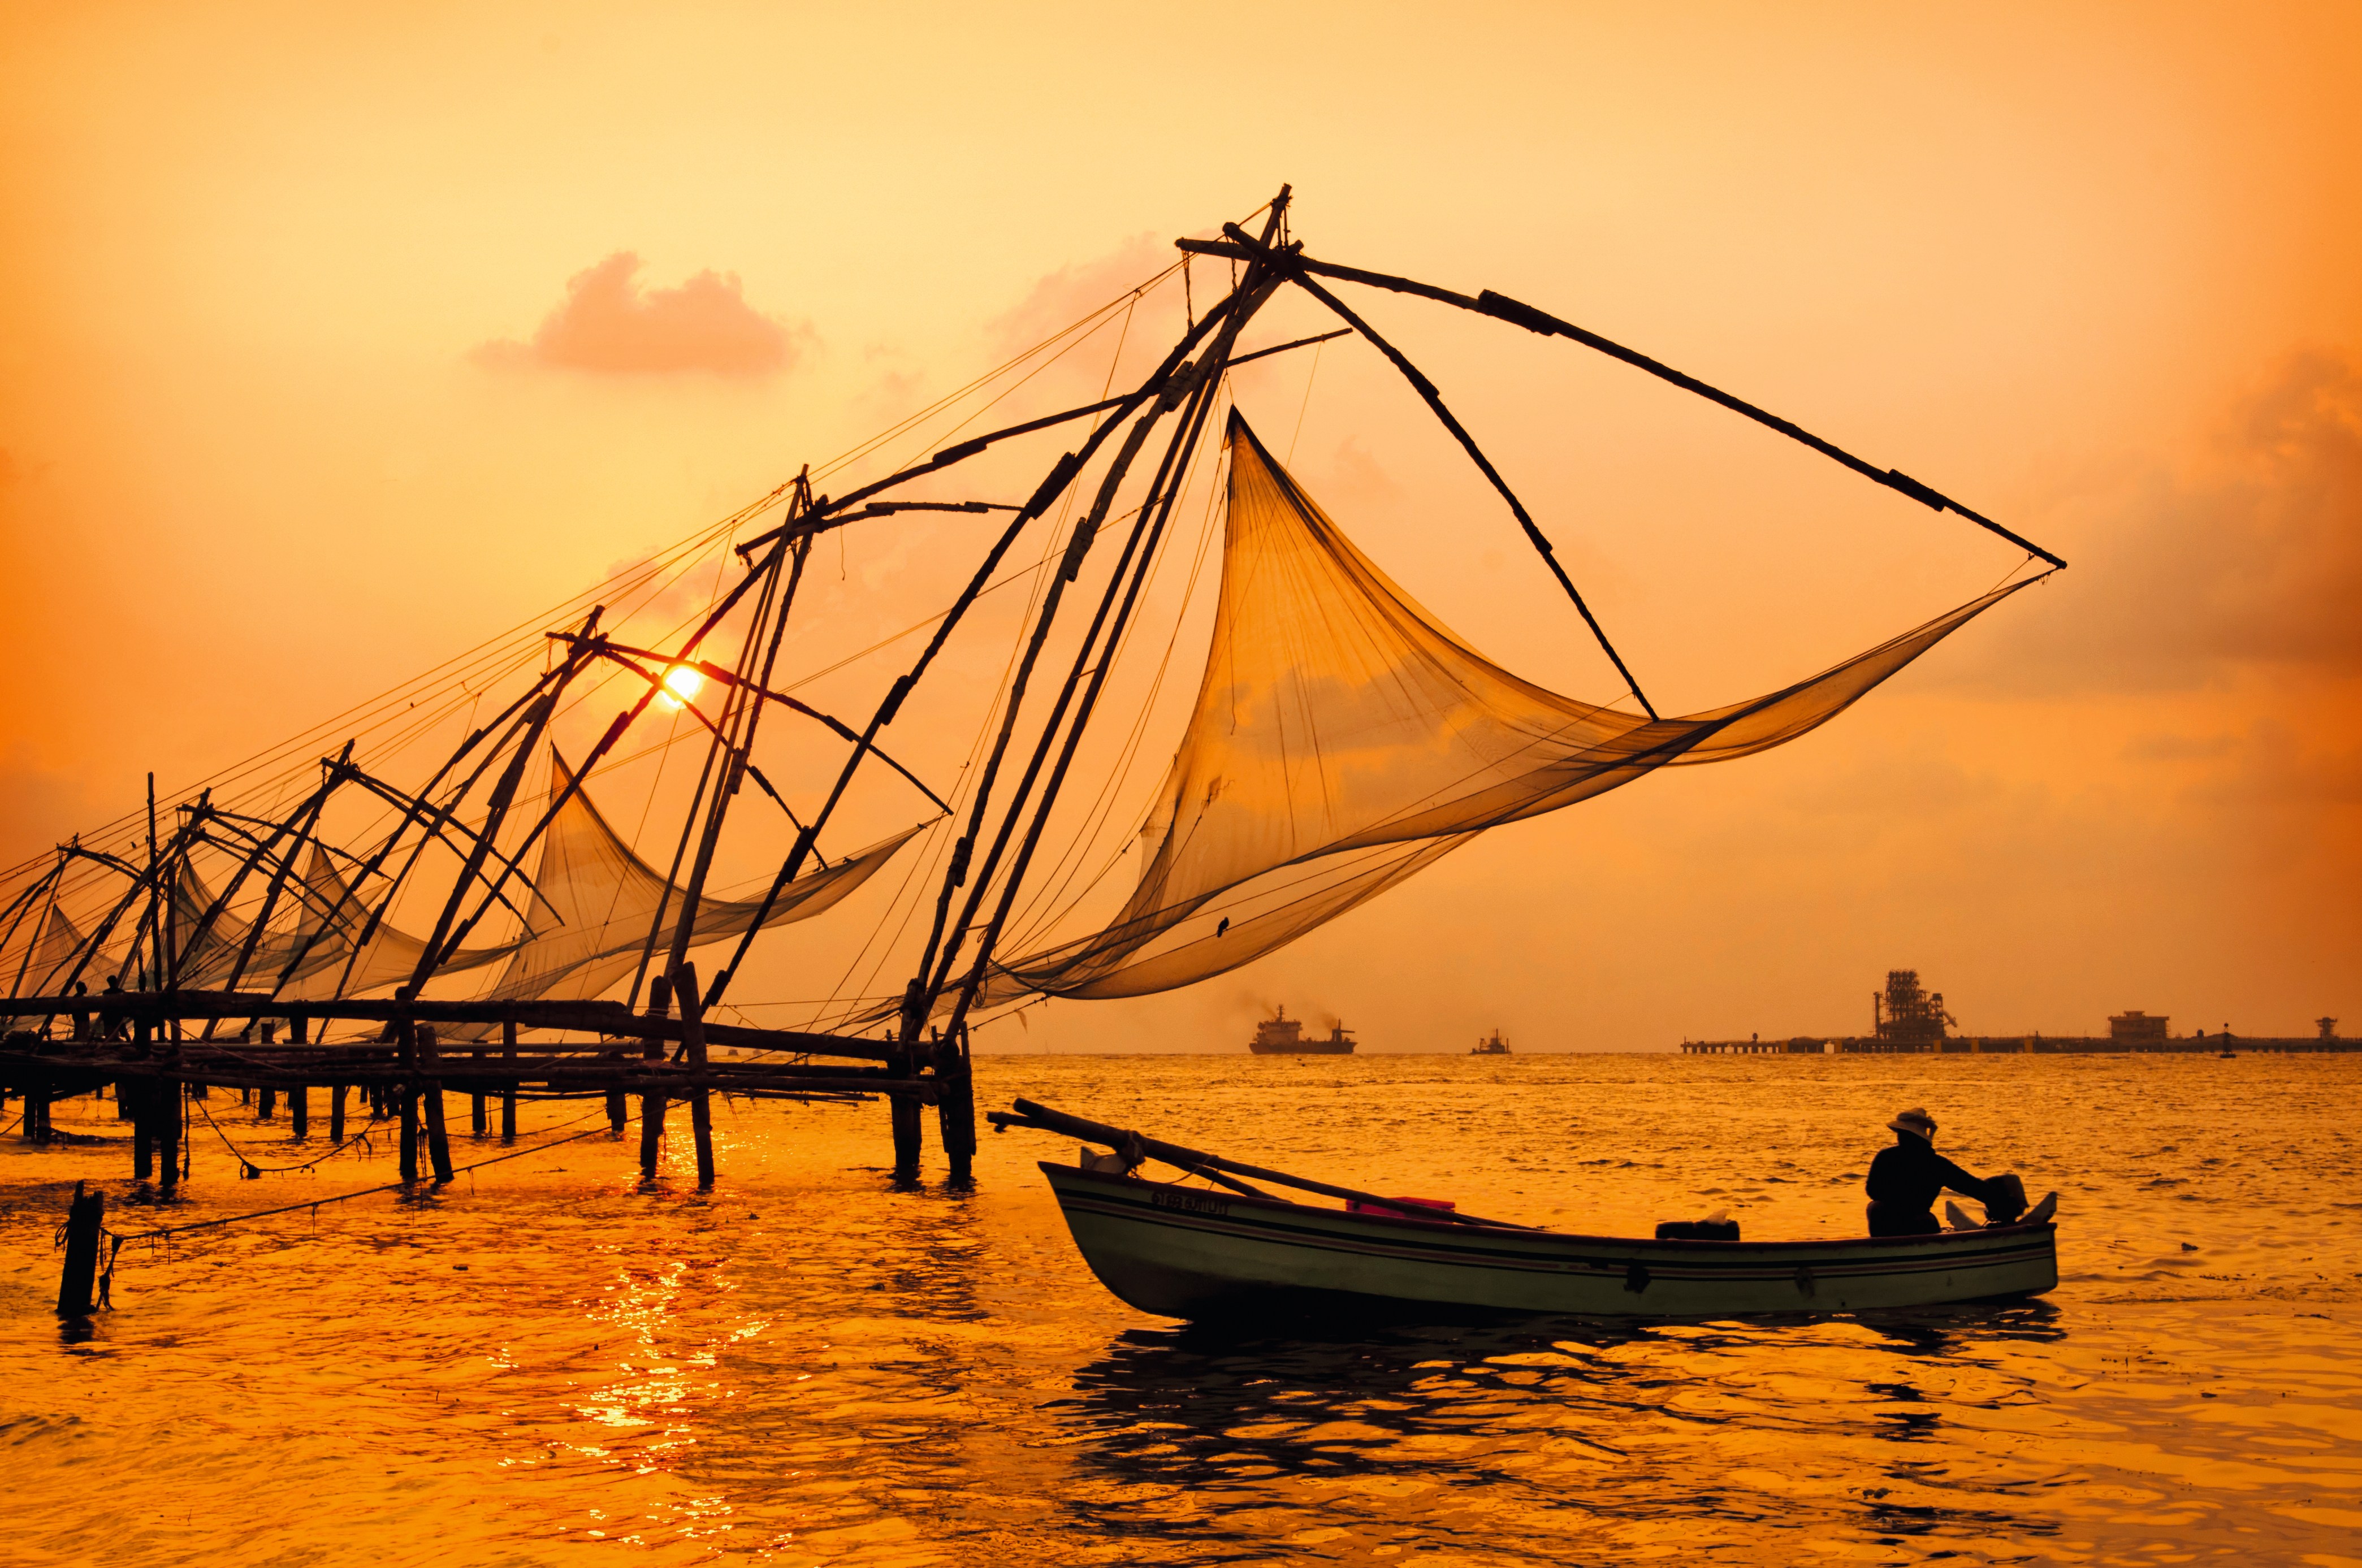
(1344, 739)
(589, 912)
(595, 902)
(319, 945)
(48, 961)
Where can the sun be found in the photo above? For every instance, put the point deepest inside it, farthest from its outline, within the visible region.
(680, 685)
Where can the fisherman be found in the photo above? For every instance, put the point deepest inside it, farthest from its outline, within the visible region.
(113, 1025)
(1905, 1179)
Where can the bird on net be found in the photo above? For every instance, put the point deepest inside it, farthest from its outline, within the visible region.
(1344, 739)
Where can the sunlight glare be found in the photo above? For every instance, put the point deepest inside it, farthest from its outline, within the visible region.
(682, 685)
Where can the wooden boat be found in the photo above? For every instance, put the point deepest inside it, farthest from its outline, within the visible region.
(1183, 1252)
(1186, 1253)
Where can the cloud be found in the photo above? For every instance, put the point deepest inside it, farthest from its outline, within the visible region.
(2249, 560)
(1060, 298)
(609, 324)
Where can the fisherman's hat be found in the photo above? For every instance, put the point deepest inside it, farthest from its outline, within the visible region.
(1913, 1120)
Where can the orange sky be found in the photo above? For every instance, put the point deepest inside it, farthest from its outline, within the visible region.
(292, 406)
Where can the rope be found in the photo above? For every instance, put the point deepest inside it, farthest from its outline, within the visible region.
(318, 1203)
(250, 1170)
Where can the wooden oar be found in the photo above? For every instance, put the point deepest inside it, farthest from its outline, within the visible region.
(1041, 1118)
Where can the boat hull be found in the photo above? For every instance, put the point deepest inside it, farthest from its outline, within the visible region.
(1303, 1048)
(1186, 1252)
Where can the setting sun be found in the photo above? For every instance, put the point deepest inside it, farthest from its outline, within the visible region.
(681, 684)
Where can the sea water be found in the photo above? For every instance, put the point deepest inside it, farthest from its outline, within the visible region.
(546, 1362)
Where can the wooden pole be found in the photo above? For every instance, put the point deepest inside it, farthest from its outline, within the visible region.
(85, 1219)
(956, 1111)
(143, 1128)
(336, 1113)
(168, 1134)
(700, 1109)
(37, 1095)
(408, 1095)
(299, 1111)
(508, 1095)
(902, 1110)
(439, 1143)
(652, 1104)
(268, 1107)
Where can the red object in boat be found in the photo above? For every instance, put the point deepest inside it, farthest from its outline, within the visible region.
(1355, 1206)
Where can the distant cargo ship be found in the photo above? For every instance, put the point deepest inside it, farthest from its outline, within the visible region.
(1493, 1045)
(1280, 1036)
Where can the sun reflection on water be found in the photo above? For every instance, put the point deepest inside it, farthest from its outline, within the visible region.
(808, 1366)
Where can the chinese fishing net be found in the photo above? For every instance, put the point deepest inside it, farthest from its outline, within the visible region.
(1344, 739)
(589, 912)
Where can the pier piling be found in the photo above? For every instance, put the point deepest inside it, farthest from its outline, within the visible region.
(169, 1111)
(509, 1094)
(956, 1111)
(85, 1222)
(438, 1143)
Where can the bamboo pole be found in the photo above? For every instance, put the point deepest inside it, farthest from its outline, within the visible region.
(1131, 573)
(1045, 496)
(1041, 1116)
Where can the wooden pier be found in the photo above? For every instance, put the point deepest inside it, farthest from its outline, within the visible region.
(156, 1050)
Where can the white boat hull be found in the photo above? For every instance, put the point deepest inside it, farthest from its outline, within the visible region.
(1183, 1252)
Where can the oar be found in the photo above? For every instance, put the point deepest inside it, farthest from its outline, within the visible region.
(1041, 1118)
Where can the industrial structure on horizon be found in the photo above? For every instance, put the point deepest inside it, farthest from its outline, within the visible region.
(1906, 1018)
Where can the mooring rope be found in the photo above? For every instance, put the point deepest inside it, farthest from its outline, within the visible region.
(315, 1203)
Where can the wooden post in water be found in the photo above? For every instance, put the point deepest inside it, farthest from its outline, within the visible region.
(439, 1143)
(956, 1111)
(335, 1114)
(143, 1128)
(37, 1099)
(508, 1093)
(652, 1104)
(692, 1039)
(903, 1110)
(85, 1222)
(408, 1095)
(299, 1111)
(168, 1134)
(269, 1106)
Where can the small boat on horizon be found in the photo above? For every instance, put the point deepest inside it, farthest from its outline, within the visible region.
(1184, 1251)
(1491, 1045)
